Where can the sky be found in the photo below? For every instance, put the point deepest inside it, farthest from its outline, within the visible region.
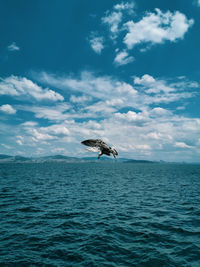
(126, 72)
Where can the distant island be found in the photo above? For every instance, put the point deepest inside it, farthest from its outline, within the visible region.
(66, 159)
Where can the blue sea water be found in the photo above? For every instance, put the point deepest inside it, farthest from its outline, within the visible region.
(99, 214)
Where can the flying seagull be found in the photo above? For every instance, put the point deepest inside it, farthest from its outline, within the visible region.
(97, 145)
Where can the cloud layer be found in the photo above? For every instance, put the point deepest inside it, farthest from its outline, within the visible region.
(17, 86)
(129, 116)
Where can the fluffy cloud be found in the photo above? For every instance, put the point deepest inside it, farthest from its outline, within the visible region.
(57, 112)
(13, 47)
(156, 28)
(80, 99)
(122, 58)
(145, 80)
(124, 6)
(39, 136)
(55, 129)
(100, 107)
(159, 91)
(7, 109)
(152, 85)
(160, 112)
(141, 118)
(29, 124)
(132, 116)
(114, 18)
(97, 44)
(17, 86)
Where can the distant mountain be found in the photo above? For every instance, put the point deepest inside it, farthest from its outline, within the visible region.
(66, 159)
(138, 161)
(58, 158)
(20, 158)
(96, 159)
(2, 156)
(7, 158)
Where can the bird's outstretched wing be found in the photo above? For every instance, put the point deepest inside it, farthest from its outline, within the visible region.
(95, 143)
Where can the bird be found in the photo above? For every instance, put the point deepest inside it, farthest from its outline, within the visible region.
(97, 145)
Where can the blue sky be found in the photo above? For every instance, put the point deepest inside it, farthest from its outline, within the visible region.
(123, 71)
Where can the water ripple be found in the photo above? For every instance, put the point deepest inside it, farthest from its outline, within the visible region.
(99, 214)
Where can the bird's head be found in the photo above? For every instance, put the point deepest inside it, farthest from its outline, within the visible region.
(114, 152)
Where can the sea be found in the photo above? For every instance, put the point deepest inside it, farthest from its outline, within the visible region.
(99, 214)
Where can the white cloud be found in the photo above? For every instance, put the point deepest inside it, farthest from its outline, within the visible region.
(156, 28)
(113, 20)
(100, 107)
(160, 112)
(132, 116)
(30, 124)
(17, 86)
(13, 47)
(57, 112)
(118, 102)
(102, 88)
(48, 113)
(145, 80)
(161, 91)
(115, 17)
(38, 135)
(145, 91)
(123, 58)
(152, 85)
(7, 109)
(124, 6)
(146, 116)
(198, 2)
(182, 145)
(80, 99)
(97, 44)
(56, 129)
